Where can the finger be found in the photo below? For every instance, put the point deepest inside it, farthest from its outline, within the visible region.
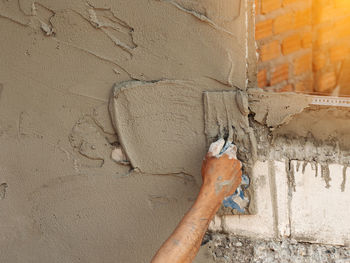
(237, 166)
(215, 147)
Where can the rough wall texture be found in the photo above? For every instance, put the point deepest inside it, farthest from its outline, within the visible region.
(62, 198)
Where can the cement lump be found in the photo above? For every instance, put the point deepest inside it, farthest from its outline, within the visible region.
(274, 109)
(224, 118)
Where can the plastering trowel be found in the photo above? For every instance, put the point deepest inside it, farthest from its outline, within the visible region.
(160, 126)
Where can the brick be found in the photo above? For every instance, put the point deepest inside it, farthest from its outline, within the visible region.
(323, 13)
(304, 86)
(326, 82)
(291, 44)
(338, 53)
(325, 35)
(268, 6)
(286, 88)
(344, 78)
(306, 40)
(288, 2)
(263, 29)
(342, 28)
(283, 23)
(262, 78)
(280, 74)
(302, 18)
(303, 64)
(270, 51)
(318, 61)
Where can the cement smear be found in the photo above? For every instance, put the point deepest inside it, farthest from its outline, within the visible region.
(160, 125)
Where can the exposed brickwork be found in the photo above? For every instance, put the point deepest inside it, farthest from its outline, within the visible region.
(306, 40)
(268, 6)
(303, 64)
(263, 29)
(302, 44)
(280, 74)
(326, 82)
(270, 50)
(284, 40)
(283, 23)
(291, 44)
(262, 78)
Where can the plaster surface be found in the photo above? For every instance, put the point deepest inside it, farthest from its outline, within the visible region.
(62, 197)
(160, 125)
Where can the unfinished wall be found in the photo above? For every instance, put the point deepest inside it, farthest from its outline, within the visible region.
(62, 197)
(303, 46)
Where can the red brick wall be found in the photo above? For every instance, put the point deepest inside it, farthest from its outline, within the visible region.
(331, 29)
(301, 43)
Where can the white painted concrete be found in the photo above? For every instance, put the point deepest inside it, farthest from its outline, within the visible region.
(307, 211)
(320, 214)
(282, 210)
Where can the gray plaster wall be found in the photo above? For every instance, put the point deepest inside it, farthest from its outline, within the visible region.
(62, 198)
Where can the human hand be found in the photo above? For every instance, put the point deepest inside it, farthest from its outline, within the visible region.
(221, 171)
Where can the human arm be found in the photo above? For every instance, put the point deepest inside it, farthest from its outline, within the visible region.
(221, 177)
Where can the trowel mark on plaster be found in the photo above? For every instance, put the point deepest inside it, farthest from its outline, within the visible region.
(32, 14)
(87, 138)
(3, 188)
(11, 11)
(117, 30)
(201, 17)
(47, 15)
(95, 55)
(226, 116)
(44, 16)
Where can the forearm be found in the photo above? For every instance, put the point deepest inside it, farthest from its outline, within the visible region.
(183, 244)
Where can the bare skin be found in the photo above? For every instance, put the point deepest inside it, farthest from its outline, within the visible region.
(221, 177)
